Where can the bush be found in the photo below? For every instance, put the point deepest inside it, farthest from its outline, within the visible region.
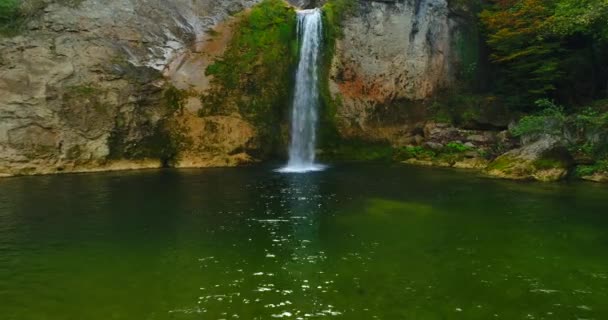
(550, 121)
(589, 170)
(584, 133)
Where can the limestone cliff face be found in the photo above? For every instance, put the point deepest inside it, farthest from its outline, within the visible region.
(393, 53)
(86, 87)
(101, 85)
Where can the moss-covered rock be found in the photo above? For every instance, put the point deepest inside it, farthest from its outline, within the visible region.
(254, 76)
(161, 139)
(544, 160)
(453, 154)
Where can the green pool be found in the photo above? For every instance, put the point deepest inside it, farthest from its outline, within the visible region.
(351, 242)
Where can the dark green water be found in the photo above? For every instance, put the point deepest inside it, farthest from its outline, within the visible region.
(352, 242)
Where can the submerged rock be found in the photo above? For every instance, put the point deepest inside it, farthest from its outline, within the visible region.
(543, 160)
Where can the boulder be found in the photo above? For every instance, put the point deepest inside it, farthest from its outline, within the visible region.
(544, 160)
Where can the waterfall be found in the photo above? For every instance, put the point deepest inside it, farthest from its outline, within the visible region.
(306, 98)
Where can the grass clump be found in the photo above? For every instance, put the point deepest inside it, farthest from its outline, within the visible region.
(414, 152)
(456, 147)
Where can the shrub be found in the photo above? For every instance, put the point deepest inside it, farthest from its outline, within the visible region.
(589, 170)
(550, 121)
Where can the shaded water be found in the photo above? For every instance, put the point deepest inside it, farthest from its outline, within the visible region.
(351, 242)
(306, 97)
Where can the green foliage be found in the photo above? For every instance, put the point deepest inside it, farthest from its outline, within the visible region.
(590, 127)
(414, 152)
(334, 13)
(590, 120)
(254, 76)
(10, 15)
(585, 133)
(549, 163)
(516, 34)
(546, 48)
(456, 147)
(452, 152)
(580, 17)
(589, 170)
(550, 121)
(8, 9)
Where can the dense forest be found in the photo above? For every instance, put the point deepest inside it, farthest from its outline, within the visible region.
(549, 58)
(548, 49)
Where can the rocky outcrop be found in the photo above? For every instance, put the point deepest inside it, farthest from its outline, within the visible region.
(544, 160)
(84, 87)
(444, 145)
(392, 53)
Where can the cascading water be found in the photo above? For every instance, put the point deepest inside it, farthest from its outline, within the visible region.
(306, 99)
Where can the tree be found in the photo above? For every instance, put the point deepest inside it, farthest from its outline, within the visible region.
(528, 55)
(548, 48)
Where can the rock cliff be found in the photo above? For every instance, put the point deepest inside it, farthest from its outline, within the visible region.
(393, 56)
(97, 85)
(88, 85)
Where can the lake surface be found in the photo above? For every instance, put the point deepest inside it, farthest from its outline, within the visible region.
(351, 242)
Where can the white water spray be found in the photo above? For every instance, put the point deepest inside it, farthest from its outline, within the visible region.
(306, 99)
